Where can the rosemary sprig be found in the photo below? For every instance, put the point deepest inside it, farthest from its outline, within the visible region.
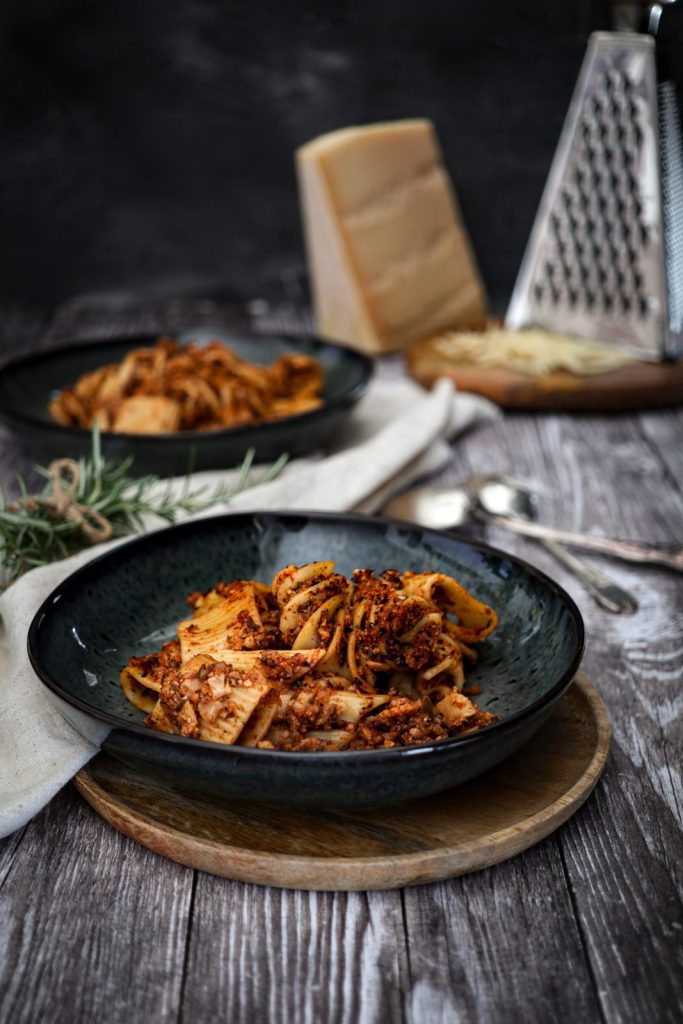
(98, 498)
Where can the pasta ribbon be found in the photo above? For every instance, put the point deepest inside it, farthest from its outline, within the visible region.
(313, 600)
(233, 616)
(476, 621)
(208, 701)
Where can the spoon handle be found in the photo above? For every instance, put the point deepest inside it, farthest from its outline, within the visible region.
(604, 591)
(629, 551)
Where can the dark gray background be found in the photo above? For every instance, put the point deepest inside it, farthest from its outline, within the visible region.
(146, 146)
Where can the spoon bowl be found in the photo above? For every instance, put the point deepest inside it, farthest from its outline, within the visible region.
(503, 496)
(438, 508)
(447, 507)
(510, 503)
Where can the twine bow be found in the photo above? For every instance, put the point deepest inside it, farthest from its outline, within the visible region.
(65, 477)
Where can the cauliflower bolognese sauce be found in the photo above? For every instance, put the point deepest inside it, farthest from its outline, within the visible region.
(319, 661)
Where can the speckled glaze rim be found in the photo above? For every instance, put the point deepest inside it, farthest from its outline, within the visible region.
(304, 419)
(357, 758)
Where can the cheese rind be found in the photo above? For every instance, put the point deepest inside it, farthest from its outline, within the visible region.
(389, 258)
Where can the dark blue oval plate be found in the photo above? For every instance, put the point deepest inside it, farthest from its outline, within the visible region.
(27, 386)
(130, 600)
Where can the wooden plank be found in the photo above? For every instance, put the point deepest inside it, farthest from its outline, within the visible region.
(624, 858)
(282, 956)
(664, 433)
(93, 925)
(9, 849)
(622, 853)
(629, 906)
(499, 946)
(630, 496)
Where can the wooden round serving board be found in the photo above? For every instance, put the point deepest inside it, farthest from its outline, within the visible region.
(636, 386)
(470, 827)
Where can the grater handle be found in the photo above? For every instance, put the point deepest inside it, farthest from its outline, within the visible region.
(654, 15)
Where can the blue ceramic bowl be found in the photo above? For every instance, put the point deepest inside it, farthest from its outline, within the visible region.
(129, 601)
(27, 386)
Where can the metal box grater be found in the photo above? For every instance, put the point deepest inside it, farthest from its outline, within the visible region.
(605, 257)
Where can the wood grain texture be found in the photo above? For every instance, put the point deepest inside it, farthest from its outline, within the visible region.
(523, 961)
(90, 929)
(304, 957)
(584, 927)
(636, 386)
(490, 819)
(622, 857)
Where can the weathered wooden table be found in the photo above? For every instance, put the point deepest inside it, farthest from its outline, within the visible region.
(586, 926)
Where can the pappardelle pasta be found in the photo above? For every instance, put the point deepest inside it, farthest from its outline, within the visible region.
(318, 662)
(171, 387)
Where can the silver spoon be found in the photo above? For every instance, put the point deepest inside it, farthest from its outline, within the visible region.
(504, 496)
(440, 499)
(492, 497)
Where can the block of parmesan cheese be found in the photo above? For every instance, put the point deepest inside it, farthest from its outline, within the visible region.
(389, 258)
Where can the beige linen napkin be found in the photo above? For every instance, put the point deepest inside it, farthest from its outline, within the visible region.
(397, 434)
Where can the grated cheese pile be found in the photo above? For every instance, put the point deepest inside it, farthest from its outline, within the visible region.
(530, 351)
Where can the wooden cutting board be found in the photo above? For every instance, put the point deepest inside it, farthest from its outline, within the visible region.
(485, 821)
(636, 386)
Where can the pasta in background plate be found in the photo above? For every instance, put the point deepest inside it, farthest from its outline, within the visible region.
(318, 662)
(171, 387)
